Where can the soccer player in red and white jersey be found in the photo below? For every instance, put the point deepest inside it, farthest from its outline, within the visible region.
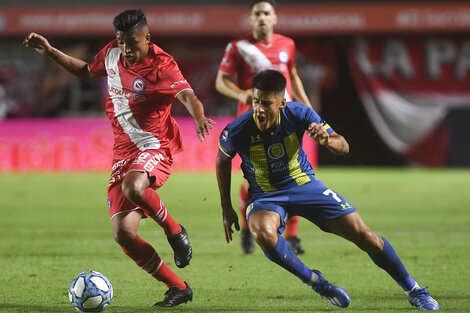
(261, 49)
(143, 81)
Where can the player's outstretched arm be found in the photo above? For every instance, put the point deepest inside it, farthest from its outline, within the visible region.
(195, 108)
(73, 65)
(298, 91)
(225, 85)
(224, 176)
(334, 141)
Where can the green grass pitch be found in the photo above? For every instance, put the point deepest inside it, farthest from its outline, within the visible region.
(53, 226)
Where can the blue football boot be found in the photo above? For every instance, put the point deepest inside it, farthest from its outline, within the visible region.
(421, 299)
(336, 295)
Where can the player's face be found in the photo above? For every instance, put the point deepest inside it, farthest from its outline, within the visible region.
(266, 106)
(263, 18)
(134, 44)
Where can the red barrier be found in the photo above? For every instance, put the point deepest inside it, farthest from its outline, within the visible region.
(85, 144)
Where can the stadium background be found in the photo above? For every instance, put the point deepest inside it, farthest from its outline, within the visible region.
(408, 104)
(54, 225)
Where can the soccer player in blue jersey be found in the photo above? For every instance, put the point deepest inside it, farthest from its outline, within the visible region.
(282, 181)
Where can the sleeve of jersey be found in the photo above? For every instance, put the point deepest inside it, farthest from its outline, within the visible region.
(226, 147)
(310, 116)
(97, 65)
(291, 63)
(174, 81)
(229, 61)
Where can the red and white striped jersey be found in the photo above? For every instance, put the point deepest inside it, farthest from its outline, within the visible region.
(139, 99)
(246, 56)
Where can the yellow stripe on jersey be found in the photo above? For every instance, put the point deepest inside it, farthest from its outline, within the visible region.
(260, 165)
(292, 145)
(223, 151)
(248, 209)
(326, 126)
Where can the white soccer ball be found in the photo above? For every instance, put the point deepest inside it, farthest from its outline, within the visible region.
(90, 291)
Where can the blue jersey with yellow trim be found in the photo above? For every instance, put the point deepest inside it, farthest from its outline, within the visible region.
(272, 160)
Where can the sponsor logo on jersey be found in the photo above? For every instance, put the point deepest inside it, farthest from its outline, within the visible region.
(113, 91)
(119, 163)
(138, 85)
(148, 163)
(224, 135)
(283, 57)
(181, 82)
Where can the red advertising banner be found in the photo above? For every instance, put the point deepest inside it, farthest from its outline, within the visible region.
(72, 144)
(409, 86)
(85, 144)
(218, 19)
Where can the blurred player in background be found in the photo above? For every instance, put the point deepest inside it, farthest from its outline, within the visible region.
(269, 142)
(143, 81)
(260, 50)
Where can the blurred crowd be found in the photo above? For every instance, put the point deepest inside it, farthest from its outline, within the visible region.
(33, 86)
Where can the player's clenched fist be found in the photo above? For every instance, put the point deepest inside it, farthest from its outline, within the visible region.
(38, 43)
(318, 133)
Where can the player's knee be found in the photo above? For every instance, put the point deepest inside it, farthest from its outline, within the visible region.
(265, 236)
(133, 190)
(370, 242)
(377, 243)
(124, 237)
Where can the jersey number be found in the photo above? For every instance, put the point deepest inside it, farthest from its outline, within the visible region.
(333, 194)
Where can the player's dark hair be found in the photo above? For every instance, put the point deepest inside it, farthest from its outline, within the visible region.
(271, 2)
(269, 80)
(129, 20)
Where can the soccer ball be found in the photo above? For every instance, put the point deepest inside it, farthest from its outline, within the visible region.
(90, 291)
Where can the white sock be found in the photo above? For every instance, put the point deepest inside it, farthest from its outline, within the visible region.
(411, 290)
(313, 280)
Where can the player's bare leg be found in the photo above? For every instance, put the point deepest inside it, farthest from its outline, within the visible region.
(264, 227)
(136, 188)
(353, 228)
(246, 238)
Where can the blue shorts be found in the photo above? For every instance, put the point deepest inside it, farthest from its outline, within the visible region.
(313, 201)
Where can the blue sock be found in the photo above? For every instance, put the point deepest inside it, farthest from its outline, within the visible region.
(283, 256)
(389, 261)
